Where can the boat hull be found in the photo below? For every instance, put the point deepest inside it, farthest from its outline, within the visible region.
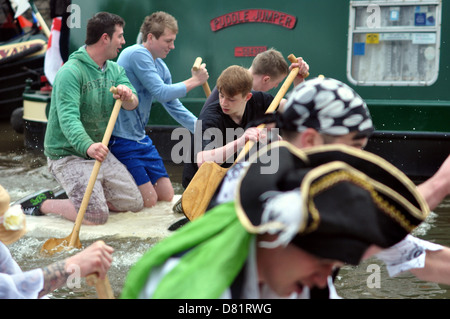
(418, 155)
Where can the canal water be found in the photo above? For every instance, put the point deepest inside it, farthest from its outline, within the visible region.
(23, 172)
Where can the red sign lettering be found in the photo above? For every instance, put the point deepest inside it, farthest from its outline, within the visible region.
(253, 15)
(248, 51)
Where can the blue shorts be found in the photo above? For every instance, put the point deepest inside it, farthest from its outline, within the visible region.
(140, 157)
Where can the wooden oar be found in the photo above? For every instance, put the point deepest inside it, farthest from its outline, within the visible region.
(198, 193)
(103, 287)
(196, 66)
(54, 245)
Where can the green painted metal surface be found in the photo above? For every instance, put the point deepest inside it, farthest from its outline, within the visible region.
(319, 36)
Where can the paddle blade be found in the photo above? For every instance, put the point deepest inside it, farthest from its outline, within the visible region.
(201, 189)
(55, 245)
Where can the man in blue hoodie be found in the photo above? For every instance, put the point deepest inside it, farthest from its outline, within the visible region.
(81, 106)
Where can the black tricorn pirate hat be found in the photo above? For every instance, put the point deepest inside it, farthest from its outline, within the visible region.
(333, 201)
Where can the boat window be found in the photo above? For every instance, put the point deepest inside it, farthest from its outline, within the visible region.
(394, 43)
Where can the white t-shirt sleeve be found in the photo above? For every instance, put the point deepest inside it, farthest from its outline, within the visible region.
(15, 284)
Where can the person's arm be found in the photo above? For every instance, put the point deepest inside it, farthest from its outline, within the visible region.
(95, 259)
(437, 267)
(97, 150)
(155, 78)
(437, 187)
(181, 114)
(126, 95)
(66, 97)
(221, 154)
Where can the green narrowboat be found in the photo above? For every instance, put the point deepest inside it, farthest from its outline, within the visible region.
(394, 53)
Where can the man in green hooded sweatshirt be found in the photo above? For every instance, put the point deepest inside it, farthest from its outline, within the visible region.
(81, 106)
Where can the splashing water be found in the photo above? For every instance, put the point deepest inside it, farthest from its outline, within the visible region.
(23, 173)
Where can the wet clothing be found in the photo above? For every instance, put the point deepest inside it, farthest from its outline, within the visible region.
(16, 284)
(212, 119)
(153, 81)
(80, 110)
(140, 157)
(114, 185)
(81, 105)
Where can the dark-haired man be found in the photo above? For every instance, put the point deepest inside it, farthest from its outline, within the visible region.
(80, 109)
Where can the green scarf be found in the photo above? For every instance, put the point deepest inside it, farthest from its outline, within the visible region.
(219, 247)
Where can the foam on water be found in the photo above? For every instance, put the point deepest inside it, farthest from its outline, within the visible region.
(130, 234)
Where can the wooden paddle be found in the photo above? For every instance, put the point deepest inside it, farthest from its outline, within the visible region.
(54, 245)
(103, 287)
(196, 66)
(198, 193)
